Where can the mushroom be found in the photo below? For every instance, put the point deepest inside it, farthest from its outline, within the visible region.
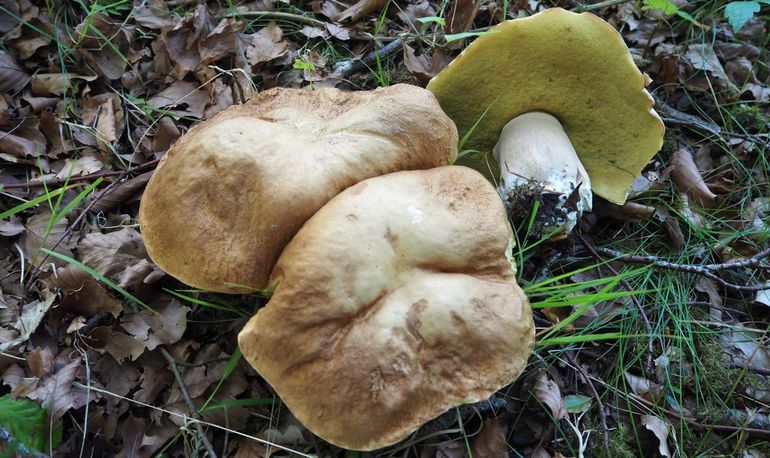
(231, 193)
(560, 99)
(396, 301)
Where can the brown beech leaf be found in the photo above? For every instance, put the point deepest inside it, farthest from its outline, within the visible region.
(56, 83)
(490, 442)
(85, 164)
(265, 45)
(119, 256)
(38, 234)
(103, 58)
(220, 43)
(11, 227)
(338, 32)
(123, 192)
(28, 46)
(419, 66)
(82, 294)
(688, 179)
(118, 344)
(12, 77)
(645, 388)
(360, 9)
(29, 319)
(55, 389)
(188, 98)
(142, 438)
(153, 14)
(415, 11)
(181, 42)
(460, 16)
(548, 392)
(165, 327)
(660, 428)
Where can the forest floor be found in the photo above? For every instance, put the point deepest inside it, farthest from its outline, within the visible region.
(653, 342)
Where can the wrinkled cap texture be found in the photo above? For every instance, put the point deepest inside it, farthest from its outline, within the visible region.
(395, 302)
(231, 193)
(575, 67)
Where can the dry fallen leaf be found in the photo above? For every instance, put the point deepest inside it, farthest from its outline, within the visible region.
(688, 179)
(265, 45)
(55, 389)
(548, 392)
(119, 256)
(660, 428)
(12, 77)
(644, 388)
(165, 327)
(460, 15)
(29, 319)
(360, 9)
(56, 83)
(182, 94)
(490, 442)
(82, 294)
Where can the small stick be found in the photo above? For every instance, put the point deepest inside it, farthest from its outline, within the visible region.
(602, 414)
(346, 68)
(190, 405)
(707, 270)
(647, 325)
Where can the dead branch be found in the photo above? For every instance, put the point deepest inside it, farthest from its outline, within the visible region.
(190, 405)
(347, 68)
(706, 270)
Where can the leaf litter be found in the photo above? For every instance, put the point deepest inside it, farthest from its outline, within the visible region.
(108, 91)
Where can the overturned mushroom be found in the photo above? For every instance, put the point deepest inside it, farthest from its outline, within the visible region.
(231, 193)
(560, 99)
(396, 301)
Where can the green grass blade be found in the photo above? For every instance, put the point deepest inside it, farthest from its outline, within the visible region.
(98, 277)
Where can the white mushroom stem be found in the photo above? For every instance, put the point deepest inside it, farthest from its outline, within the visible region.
(533, 152)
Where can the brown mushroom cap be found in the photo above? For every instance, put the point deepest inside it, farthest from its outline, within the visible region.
(574, 67)
(395, 302)
(231, 193)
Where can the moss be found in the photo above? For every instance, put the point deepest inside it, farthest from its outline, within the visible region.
(749, 117)
(618, 445)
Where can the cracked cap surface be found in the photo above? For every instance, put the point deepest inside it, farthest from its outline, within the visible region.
(395, 302)
(231, 193)
(575, 67)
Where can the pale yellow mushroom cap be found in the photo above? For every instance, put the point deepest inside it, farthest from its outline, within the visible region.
(231, 193)
(395, 302)
(575, 67)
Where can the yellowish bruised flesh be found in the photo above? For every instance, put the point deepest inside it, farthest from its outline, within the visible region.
(575, 67)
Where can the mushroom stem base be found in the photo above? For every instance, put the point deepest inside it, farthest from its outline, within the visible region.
(539, 164)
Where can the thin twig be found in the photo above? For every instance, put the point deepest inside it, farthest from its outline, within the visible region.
(190, 405)
(90, 177)
(593, 250)
(347, 68)
(602, 414)
(706, 270)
